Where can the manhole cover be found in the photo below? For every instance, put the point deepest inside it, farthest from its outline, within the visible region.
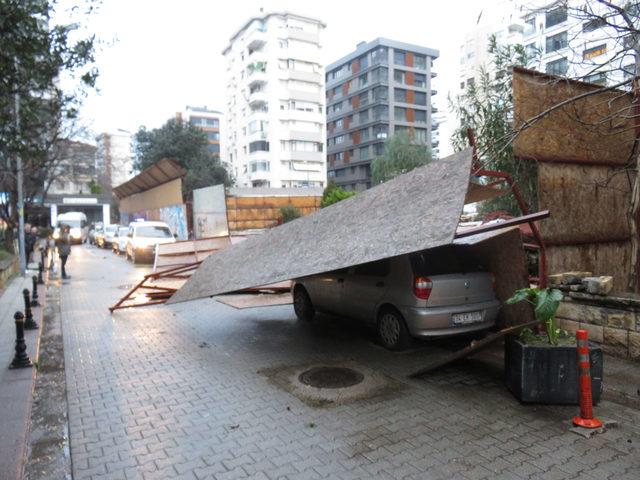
(331, 377)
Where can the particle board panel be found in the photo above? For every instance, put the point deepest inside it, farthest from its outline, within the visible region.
(412, 212)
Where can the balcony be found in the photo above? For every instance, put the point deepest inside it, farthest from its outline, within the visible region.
(257, 78)
(258, 100)
(434, 92)
(256, 39)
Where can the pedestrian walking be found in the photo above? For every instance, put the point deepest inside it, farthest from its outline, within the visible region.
(64, 249)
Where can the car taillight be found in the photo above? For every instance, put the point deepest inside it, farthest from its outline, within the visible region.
(493, 281)
(422, 287)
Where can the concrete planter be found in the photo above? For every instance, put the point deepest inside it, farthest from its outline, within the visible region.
(8, 268)
(548, 374)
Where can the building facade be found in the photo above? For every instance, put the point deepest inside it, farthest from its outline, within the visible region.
(381, 88)
(209, 121)
(563, 38)
(114, 159)
(275, 124)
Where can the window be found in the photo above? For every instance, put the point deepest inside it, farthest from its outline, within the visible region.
(557, 67)
(380, 268)
(594, 24)
(364, 62)
(380, 74)
(421, 98)
(339, 139)
(339, 123)
(399, 57)
(398, 76)
(400, 114)
(259, 146)
(399, 95)
(530, 26)
(555, 16)
(381, 112)
(341, 172)
(421, 116)
(283, 43)
(363, 153)
(337, 107)
(363, 116)
(213, 136)
(258, 126)
(420, 80)
(420, 61)
(599, 78)
(262, 166)
(362, 80)
(380, 93)
(364, 135)
(556, 42)
(379, 55)
(340, 156)
(381, 131)
(594, 52)
(378, 149)
(364, 98)
(305, 146)
(420, 135)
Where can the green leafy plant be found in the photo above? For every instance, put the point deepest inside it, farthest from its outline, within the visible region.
(334, 194)
(289, 212)
(402, 153)
(546, 302)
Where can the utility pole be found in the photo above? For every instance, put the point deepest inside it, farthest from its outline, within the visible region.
(20, 203)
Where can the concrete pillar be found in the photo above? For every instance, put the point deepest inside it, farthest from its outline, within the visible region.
(106, 214)
(53, 210)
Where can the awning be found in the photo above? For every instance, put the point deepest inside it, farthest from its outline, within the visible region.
(160, 172)
(412, 212)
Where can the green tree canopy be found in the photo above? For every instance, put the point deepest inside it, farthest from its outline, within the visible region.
(37, 57)
(333, 194)
(187, 145)
(402, 153)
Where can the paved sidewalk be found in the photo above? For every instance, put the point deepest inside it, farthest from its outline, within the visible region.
(16, 386)
(180, 392)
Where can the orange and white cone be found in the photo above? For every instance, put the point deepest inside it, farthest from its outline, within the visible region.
(585, 419)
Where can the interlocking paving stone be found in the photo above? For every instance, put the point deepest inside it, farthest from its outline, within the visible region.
(146, 401)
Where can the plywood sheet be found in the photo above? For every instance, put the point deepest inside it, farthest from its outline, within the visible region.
(587, 203)
(241, 301)
(414, 211)
(577, 131)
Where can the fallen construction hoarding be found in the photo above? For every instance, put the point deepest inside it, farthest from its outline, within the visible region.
(413, 212)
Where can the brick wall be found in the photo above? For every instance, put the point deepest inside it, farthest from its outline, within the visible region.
(611, 321)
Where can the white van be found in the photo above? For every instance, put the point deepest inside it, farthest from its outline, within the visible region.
(79, 228)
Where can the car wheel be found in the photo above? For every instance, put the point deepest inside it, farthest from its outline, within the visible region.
(302, 304)
(392, 330)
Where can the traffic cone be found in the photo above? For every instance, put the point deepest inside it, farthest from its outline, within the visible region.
(585, 419)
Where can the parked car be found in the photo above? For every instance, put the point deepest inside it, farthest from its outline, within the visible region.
(93, 230)
(106, 238)
(143, 238)
(437, 292)
(79, 228)
(119, 244)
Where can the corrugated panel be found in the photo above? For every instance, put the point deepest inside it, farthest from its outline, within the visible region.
(412, 212)
(160, 172)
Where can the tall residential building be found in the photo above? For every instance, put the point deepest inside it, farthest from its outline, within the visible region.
(114, 159)
(565, 37)
(381, 88)
(275, 113)
(209, 121)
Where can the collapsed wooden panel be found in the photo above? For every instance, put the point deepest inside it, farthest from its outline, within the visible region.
(591, 129)
(258, 212)
(587, 203)
(169, 193)
(601, 258)
(412, 212)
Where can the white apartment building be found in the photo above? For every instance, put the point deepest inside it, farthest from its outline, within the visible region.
(564, 39)
(275, 135)
(114, 158)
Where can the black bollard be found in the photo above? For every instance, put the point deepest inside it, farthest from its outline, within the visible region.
(34, 297)
(21, 359)
(29, 322)
(40, 279)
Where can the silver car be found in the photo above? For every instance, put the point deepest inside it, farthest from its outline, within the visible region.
(437, 292)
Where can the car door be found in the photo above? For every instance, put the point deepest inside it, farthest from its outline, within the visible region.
(325, 289)
(364, 287)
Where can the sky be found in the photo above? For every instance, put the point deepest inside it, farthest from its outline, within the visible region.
(156, 57)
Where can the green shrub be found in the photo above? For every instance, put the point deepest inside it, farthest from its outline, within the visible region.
(333, 194)
(289, 212)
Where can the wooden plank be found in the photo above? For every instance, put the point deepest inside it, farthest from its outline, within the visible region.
(532, 217)
(474, 346)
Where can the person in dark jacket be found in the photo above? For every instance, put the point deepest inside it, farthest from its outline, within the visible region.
(64, 248)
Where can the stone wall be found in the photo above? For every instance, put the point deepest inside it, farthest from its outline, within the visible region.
(8, 268)
(613, 322)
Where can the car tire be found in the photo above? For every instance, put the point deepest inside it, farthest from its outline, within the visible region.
(302, 305)
(392, 330)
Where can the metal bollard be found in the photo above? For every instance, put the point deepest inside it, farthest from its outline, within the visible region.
(40, 279)
(29, 322)
(21, 359)
(34, 297)
(585, 419)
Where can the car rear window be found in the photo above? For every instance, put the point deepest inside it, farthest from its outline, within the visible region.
(378, 268)
(153, 232)
(445, 260)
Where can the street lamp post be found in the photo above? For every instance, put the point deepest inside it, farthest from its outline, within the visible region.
(20, 203)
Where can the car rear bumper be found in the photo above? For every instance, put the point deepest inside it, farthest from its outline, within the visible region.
(145, 254)
(438, 321)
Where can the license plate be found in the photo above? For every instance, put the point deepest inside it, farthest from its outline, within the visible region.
(466, 318)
